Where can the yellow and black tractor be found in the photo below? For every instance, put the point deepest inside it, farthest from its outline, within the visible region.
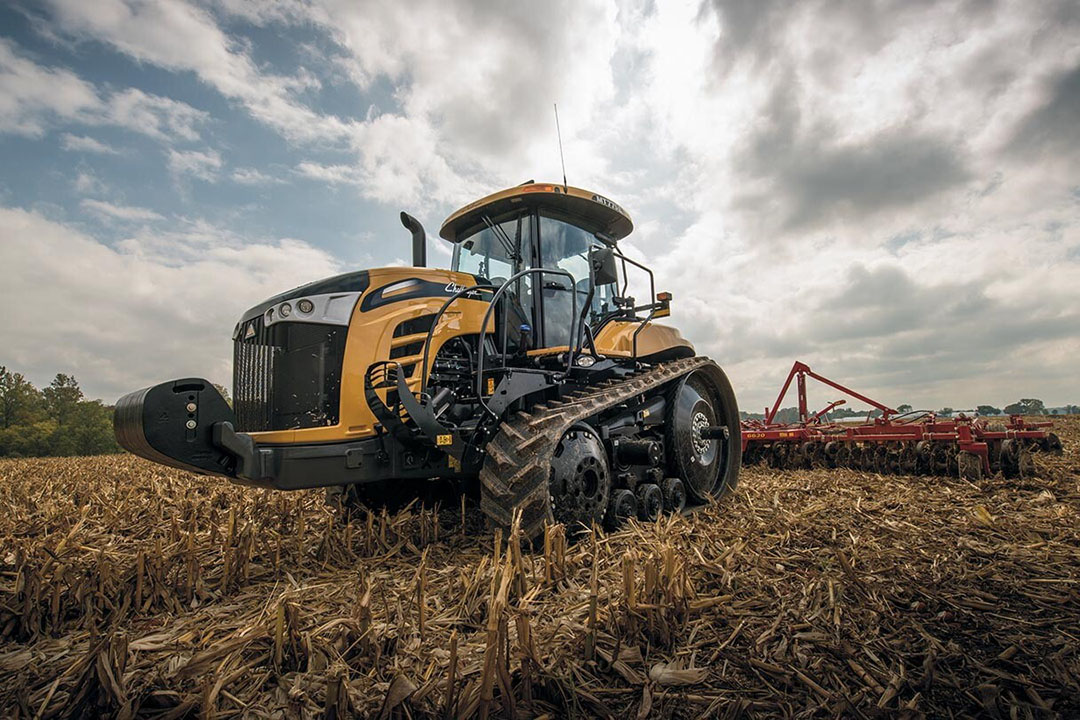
(525, 375)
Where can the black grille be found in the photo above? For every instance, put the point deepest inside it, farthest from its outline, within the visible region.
(420, 324)
(287, 376)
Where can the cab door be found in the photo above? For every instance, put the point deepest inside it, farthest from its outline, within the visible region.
(565, 246)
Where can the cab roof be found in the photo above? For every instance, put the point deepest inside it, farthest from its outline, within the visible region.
(593, 212)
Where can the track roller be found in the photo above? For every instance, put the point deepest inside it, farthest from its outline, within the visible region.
(674, 495)
(650, 502)
(622, 506)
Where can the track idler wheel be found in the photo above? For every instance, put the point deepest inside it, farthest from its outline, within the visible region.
(969, 466)
(580, 479)
(650, 502)
(622, 506)
(674, 495)
(699, 405)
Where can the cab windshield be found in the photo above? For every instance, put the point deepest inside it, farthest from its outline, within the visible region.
(495, 253)
(527, 240)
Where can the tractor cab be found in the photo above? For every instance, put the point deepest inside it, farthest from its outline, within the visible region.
(548, 239)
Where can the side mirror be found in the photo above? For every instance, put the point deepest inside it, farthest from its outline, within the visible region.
(604, 269)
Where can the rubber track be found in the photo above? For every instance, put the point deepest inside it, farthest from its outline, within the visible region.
(518, 458)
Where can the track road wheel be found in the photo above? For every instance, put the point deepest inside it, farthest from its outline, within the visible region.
(621, 507)
(650, 502)
(674, 495)
(580, 479)
(970, 466)
(709, 467)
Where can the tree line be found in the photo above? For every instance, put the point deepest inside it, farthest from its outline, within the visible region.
(54, 421)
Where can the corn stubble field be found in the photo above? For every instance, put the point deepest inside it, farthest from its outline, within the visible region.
(131, 590)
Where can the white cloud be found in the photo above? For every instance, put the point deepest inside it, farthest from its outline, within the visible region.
(86, 183)
(153, 308)
(182, 37)
(253, 176)
(120, 212)
(198, 164)
(33, 98)
(158, 117)
(30, 93)
(471, 119)
(82, 143)
(330, 174)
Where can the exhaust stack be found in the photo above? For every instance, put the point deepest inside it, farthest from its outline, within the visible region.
(419, 239)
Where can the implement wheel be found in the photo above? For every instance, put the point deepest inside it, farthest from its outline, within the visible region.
(855, 457)
(843, 455)
(909, 459)
(970, 466)
(1010, 458)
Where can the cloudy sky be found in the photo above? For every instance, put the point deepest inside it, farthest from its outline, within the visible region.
(889, 190)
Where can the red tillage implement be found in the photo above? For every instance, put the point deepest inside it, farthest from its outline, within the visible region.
(910, 443)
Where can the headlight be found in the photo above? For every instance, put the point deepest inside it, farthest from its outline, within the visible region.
(285, 310)
(305, 306)
(585, 361)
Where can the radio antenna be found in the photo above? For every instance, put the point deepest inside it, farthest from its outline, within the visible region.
(562, 159)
